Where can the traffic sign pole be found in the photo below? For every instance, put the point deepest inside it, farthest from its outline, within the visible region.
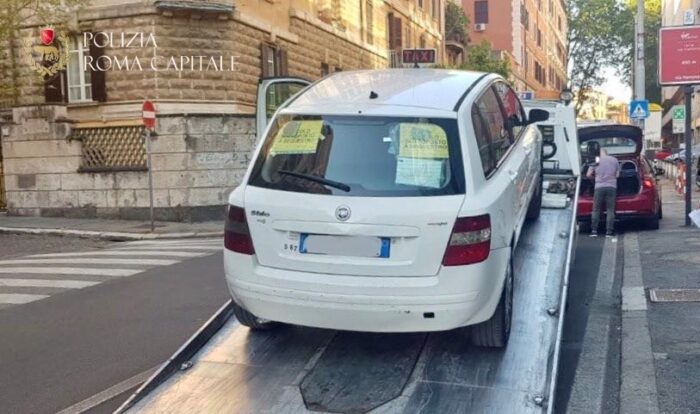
(149, 122)
(150, 178)
(688, 152)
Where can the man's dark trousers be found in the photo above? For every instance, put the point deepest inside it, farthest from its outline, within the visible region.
(607, 196)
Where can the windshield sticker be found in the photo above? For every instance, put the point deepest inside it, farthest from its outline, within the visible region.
(420, 172)
(298, 137)
(422, 141)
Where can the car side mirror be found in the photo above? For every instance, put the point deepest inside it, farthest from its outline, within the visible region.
(537, 115)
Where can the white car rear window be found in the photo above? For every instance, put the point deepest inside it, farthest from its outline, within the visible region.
(361, 156)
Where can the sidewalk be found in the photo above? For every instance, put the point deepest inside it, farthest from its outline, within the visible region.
(668, 258)
(108, 229)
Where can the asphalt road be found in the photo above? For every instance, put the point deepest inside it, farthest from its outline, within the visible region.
(77, 343)
(63, 349)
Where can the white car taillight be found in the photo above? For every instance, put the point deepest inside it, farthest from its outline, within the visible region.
(236, 232)
(470, 241)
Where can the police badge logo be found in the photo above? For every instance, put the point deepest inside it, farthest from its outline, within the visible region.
(50, 55)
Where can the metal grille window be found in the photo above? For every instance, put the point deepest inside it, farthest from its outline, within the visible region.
(119, 148)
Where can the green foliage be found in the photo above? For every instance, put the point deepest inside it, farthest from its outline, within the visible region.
(456, 23)
(652, 24)
(596, 42)
(481, 58)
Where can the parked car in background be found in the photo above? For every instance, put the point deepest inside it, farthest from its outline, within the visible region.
(680, 155)
(638, 196)
(662, 155)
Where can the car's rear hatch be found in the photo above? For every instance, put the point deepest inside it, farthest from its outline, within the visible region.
(624, 142)
(374, 196)
(618, 140)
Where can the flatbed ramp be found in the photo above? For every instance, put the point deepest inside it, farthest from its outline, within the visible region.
(225, 368)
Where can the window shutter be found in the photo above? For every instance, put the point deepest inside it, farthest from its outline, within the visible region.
(97, 77)
(282, 63)
(396, 33)
(265, 57)
(53, 89)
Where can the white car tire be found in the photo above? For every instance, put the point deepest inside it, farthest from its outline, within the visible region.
(494, 332)
(251, 321)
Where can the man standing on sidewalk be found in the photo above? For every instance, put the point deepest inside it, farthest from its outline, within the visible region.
(605, 191)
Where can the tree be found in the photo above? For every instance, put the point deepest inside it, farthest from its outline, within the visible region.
(596, 42)
(482, 58)
(652, 24)
(456, 23)
(16, 14)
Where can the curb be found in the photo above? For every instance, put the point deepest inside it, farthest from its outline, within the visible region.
(111, 236)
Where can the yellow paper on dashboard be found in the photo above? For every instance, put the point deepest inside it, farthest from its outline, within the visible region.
(297, 137)
(422, 141)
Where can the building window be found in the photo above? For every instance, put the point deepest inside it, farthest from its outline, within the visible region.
(274, 61)
(80, 82)
(370, 22)
(434, 10)
(420, 4)
(481, 12)
(539, 37)
(79, 85)
(422, 42)
(325, 70)
(524, 16)
(540, 73)
(395, 32)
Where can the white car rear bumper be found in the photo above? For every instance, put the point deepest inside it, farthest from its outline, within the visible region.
(455, 297)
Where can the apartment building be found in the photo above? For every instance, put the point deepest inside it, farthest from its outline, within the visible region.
(72, 136)
(531, 33)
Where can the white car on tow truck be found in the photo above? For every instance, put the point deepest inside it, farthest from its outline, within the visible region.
(387, 201)
(226, 367)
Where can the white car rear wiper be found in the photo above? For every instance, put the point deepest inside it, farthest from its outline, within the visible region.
(320, 180)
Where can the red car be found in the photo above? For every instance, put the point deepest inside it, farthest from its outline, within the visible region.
(662, 155)
(638, 195)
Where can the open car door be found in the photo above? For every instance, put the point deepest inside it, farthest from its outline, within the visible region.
(272, 93)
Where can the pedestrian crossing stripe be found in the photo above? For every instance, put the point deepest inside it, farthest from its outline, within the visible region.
(34, 277)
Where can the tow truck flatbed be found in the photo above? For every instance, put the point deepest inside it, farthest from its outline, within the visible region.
(226, 368)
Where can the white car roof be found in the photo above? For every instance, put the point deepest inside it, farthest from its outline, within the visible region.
(434, 90)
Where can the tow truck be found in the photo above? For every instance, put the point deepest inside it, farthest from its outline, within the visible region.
(226, 368)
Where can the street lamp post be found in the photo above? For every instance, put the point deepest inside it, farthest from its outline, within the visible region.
(639, 72)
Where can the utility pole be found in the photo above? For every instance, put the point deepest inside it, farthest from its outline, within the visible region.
(639, 73)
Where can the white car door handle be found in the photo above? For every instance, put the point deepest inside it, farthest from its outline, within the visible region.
(512, 174)
(528, 150)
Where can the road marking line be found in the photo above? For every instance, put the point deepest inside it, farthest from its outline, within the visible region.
(65, 284)
(106, 395)
(638, 392)
(160, 248)
(19, 298)
(123, 253)
(71, 271)
(156, 262)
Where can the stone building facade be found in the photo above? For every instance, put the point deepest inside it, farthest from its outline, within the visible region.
(72, 143)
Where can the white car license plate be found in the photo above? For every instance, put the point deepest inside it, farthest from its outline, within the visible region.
(354, 246)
